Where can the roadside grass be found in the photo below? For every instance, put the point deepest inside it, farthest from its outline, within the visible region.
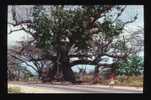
(26, 89)
(136, 81)
(14, 90)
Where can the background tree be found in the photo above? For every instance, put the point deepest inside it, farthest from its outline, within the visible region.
(67, 33)
(15, 69)
(133, 66)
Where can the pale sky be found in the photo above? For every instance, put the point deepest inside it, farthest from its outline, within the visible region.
(131, 11)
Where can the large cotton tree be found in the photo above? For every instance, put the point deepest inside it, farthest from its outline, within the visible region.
(62, 32)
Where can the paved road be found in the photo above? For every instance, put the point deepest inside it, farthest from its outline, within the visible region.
(49, 88)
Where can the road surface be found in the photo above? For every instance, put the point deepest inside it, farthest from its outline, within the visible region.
(49, 88)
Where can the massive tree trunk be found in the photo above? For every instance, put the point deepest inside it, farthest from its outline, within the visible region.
(64, 73)
(65, 68)
(61, 70)
(68, 74)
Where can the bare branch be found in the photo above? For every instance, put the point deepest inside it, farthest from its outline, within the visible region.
(109, 42)
(119, 14)
(25, 62)
(130, 21)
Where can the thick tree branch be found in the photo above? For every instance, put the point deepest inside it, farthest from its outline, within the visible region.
(49, 57)
(81, 62)
(99, 14)
(115, 56)
(20, 23)
(80, 56)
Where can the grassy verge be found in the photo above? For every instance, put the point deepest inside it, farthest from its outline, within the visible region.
(135, 81)
(14, 90)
